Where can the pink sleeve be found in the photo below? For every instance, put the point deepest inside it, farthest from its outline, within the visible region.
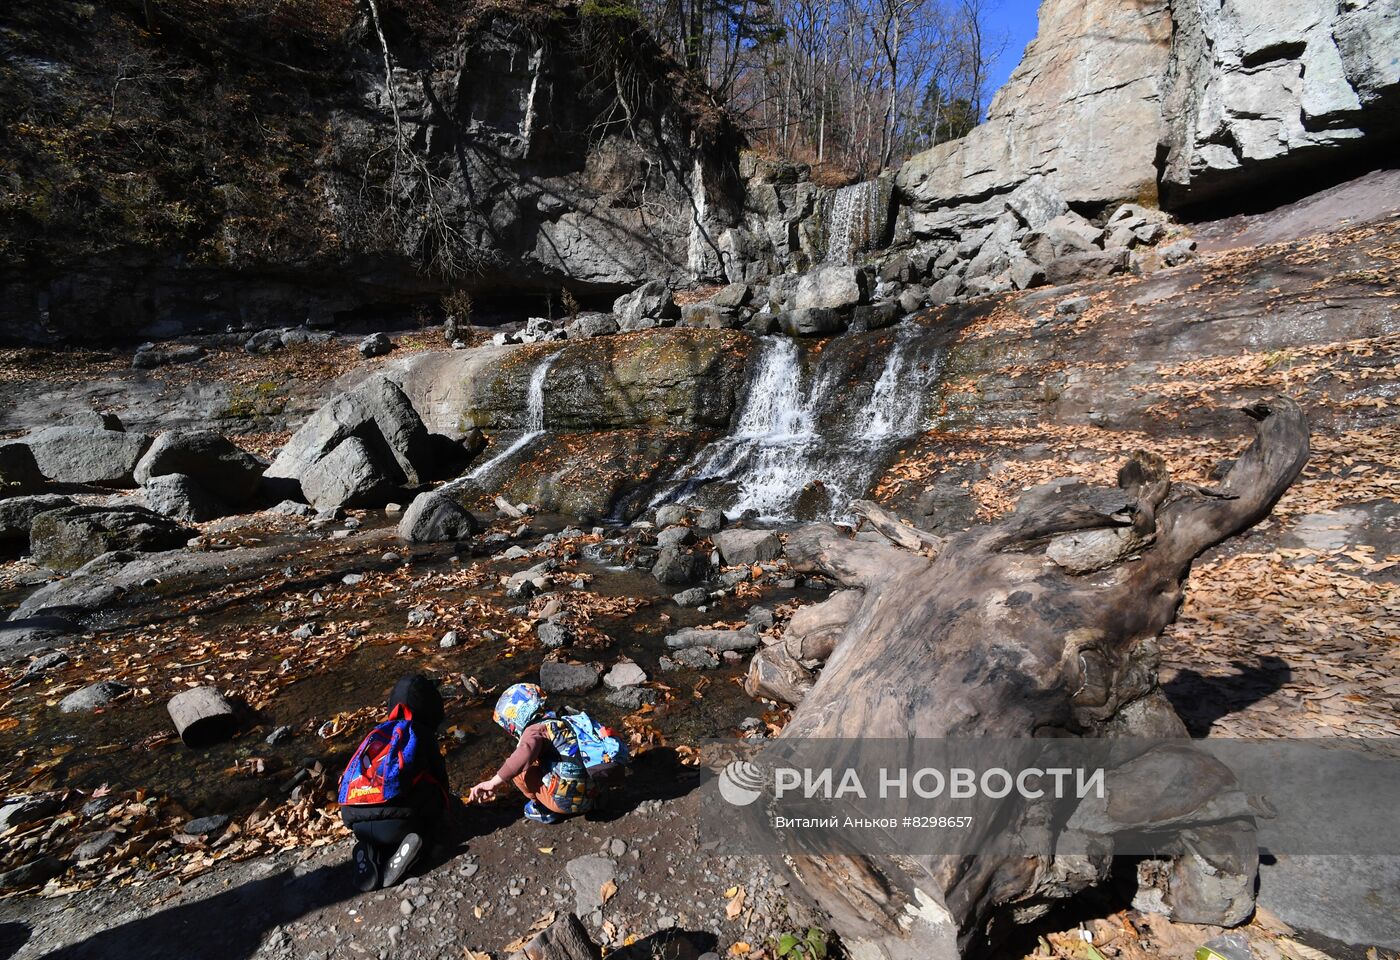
(531, 745)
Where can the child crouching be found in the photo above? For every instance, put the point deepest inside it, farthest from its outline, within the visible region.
(394, 792)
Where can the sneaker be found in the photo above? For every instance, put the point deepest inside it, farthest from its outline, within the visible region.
(366, 860)
(402, 859)
(539, 814)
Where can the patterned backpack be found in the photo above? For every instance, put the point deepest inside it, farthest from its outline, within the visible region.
(386, 766)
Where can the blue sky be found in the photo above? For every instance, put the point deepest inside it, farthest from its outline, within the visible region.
(1015, 21)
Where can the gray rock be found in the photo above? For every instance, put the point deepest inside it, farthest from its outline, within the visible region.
(181, 497)
(375, 345)
(945, 290)
(913, 298)
(694, 597)
(830, 288)
(675, 536)
(691, 658)
(378, 415)
(96, 696)
(203, 826)
(877, 316)
(92, 420)
(33, 873)
(1071, 308)
(748, 546)
(67, 538)
(1086, 266)
(1025, 273)
(624, 673)
(434, 517)
(82, 455)
(811, 322)
(292, 508)
(27, 809)
(1036, 203)
(587, 325)
(562, 676)
(671, 514)
(647, 306)
(148, 356)
(633, 698)
(947, 508)
(95, 846)
(1178, 252)
(690, 637)
(23, 635)
(588, 875)
(17, 513)
(734, 295)
(678, 565)
(709, 521)
(709, 316)
(229, 473)
(553, 635)
(349, 476)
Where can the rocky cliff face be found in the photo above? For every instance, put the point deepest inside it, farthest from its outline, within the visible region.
(1258, 90)
(1082, 110)
(165, 177)
(1189, 99)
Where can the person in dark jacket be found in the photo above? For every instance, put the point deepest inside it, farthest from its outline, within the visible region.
(390, 836)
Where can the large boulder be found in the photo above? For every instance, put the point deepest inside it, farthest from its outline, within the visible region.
(390, 447)
(650, 305)
(19, 472)
(1094, 265)
(831, 287)
(17, 513)
(676, 564)
(434, 517)
(180, 496)
(69, 537)
(84, 455)
(350, 475)
(747, 546)
(210, 459)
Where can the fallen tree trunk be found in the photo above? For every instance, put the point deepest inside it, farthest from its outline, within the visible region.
(994, 639)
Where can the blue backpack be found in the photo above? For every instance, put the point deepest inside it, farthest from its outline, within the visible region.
(386, 765)
(596, 744)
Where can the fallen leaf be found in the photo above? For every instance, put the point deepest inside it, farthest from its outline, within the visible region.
(736, 905)
(607, 891)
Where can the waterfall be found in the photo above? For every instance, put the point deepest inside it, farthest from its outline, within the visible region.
(534, 417)
(852, 219)
(778, 445)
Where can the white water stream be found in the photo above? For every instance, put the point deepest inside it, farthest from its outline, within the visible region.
(534, 417)
(851, 220)
(777, 449)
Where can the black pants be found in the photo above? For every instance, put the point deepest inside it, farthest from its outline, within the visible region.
(386, 835)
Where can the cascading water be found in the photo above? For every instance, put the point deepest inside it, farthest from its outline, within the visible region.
(534, 417)
(851, 220)
(795, 430)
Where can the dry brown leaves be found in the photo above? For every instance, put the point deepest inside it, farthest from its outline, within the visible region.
(1332, 616)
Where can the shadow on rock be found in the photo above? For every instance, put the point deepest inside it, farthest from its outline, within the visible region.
(227, 926)
(1201, 700)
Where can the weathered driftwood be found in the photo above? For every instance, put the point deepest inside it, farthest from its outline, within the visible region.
(202, 716)
(992, 639)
